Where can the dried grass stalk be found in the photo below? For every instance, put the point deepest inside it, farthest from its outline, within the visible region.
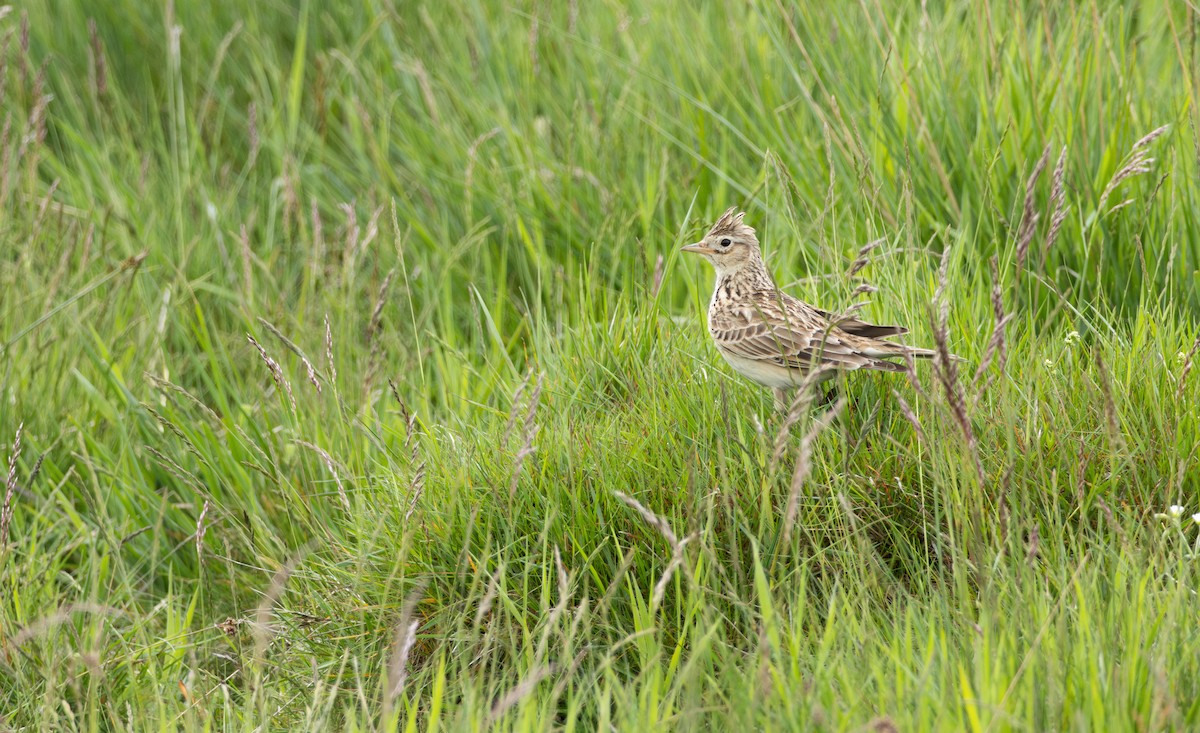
(1136, 163)
(380, 301)
(1029, 214)
(1110, 407)
(373, 324)
(329, 354)
(1112, 520)
(910, 371)
(651, 518)
(173, 468)
(177, 432)
(529, 431)
(99, 65)
(1058, 195)
(37, 469)
(262, 629)
(660, 588)
(424, 83)
(472, 154)
(416, 489)
(417, 482)
(61, 615)
(4, 58)
(201, 529)
(677, 545)
(514, 410)
(43, 206)
(276, 372)
(331, 465)
(946, 370)
(564, 596)
(1031, 549)
(1003, 509)
(910, 415)
(518, 693)
(406, 639)
(308, 366)
(864, 257)
(803, 467)
(352, 231)
(801, 404)
(489, 597)
(10, 487)
(656, 282)
(5, 148)
(997, 347)
(372, 229)
(164, 385)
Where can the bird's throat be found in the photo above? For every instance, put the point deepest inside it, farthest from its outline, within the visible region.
(737, 282)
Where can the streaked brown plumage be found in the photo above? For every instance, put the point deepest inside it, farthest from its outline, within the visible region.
(773, 338)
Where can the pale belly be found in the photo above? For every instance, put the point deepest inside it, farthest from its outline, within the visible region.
(766, 373)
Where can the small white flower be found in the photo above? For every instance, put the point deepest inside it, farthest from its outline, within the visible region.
(1174, 513)
(1196, 517)
(1049, 364)
(1072, 338)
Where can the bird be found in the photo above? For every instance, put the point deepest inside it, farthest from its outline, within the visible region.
(777, 340)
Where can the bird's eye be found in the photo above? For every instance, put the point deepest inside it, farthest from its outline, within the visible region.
(725, 242)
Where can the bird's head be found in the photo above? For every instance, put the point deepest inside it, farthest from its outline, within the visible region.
(729, 244)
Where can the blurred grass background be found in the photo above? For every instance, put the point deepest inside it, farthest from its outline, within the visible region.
(452, 230)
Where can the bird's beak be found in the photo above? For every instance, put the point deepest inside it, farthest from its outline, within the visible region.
(698, 248)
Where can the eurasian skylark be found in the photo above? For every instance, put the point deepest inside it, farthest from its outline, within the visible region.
(774, 339)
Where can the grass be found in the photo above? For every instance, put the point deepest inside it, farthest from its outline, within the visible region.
(362, 386)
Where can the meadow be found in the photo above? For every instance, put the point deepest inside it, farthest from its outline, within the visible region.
(351, 377)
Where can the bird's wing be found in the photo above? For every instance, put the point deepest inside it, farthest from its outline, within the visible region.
(849, 324)
(862, 328)
(794, 336)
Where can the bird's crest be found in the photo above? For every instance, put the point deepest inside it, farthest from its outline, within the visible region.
(731, 223)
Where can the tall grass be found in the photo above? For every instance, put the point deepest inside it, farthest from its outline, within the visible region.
(361, 386)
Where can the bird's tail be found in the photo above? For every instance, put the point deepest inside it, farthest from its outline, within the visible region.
(926, 353)
(894, 350)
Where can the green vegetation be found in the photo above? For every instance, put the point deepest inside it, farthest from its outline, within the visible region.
(481, 204)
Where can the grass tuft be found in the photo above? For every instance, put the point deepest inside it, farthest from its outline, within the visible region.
(520, 491)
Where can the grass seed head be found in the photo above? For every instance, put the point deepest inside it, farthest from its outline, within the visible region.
(329, 353)
(201, 528)
(276, 372)
(406, 639)
(519, 693)
(1136, 163)
(529, 431)
(333, 470)
(997, 347)
(1058, 201)
(10, 487)
(1110, 408)
(1029, 213)
(98, 63)
(864, 257)
(803, 467)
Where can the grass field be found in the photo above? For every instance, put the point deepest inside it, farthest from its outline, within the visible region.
(348, 339)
